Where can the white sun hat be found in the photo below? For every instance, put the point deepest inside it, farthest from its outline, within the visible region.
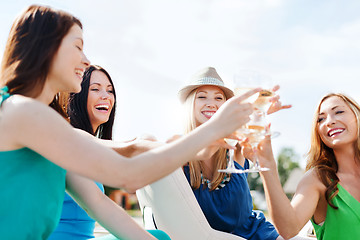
(206, 76)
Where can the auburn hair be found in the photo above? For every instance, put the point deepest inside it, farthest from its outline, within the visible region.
(321, 157)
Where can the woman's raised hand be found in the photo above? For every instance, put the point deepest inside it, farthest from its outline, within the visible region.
(265, 153)
(246, 150)
(276, 105)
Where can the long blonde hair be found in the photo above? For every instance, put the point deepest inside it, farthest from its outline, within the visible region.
(321, 157)
(195, 167)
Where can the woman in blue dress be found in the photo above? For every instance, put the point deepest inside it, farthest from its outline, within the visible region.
(91, 110)
(225, 199)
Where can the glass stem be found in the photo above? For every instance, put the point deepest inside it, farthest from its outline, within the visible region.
(256, 162)
(231, 159)
(257, 166)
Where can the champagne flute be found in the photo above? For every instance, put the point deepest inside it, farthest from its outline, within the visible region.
(255, 129)
(246, 80)
(230, 166)
(255, 132)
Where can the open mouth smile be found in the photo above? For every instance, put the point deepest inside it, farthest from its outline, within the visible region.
(79, 72)
(335, 132)
(208, 114)
(102, 107)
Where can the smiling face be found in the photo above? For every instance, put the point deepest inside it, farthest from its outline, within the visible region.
(208, 100)
(69, 63)
(100, 99)
(337, 123)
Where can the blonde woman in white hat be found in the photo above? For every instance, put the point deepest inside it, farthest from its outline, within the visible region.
(225, 199)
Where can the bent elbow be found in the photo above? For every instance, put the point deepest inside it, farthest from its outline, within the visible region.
(131, 190)
(130, 185)
(287, 235)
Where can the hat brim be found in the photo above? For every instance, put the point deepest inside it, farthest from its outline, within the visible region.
(185, 92)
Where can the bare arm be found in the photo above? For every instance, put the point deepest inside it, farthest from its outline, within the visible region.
(210, 150)
(111, 216)
(288, 217)
(32, 124)
(127, 148)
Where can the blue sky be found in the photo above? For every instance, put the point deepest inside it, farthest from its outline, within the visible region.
(151, 48)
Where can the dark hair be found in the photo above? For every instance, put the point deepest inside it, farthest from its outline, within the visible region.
(33, 41)
(77, 107)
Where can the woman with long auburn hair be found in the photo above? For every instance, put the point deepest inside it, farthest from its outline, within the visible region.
(329, 192)
(42, 154)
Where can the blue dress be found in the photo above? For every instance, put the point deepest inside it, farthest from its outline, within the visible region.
(74, 223)
(230, 209)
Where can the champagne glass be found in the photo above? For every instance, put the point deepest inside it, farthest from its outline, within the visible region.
(246, 80)
(255, 134)
(255, 129)
(230, 166)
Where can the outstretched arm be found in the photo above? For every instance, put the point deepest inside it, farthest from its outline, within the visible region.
(32, 124)
(127, 148)
(288, 217)
(211, 149)
(101, 208)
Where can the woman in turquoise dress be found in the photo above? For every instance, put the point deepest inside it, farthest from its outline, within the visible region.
(42, 154)
(224, 199)
(329, 192)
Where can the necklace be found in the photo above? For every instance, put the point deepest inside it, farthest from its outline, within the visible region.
(225, 180)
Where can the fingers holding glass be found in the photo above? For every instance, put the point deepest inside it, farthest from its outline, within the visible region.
(255, 129)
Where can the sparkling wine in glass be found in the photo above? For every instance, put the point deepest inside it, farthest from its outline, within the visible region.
(263, 102)
(255, 134)
(254, 130)
(246, 80)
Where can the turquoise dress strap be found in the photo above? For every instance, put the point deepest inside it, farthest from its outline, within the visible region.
(4, 94)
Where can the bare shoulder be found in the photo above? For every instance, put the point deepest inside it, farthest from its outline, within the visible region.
(17, 106)
(308, 196)
(19, 114)
(20, 111)
(311, 180)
